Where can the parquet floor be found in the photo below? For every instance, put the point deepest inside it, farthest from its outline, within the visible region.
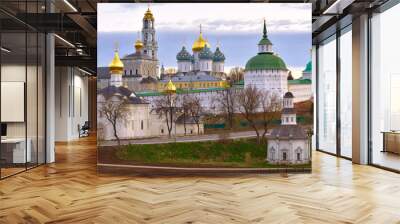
(70, 191)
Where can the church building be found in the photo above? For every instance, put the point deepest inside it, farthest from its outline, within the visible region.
(144, 61)
(266, 71)
(288, 143)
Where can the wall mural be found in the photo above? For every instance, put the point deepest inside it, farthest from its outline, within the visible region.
(204, 88)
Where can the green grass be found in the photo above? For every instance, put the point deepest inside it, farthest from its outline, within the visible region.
(228, 153)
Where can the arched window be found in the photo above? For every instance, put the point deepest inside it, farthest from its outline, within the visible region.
(298, 156)
(272, 154)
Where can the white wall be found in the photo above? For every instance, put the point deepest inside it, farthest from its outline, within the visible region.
(71, 103)
(268, 80)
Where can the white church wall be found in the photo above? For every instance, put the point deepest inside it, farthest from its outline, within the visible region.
(276, 148)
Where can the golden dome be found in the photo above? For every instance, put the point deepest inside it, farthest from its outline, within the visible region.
(170, 88)
(200, 43)
(148, 15)
(138, 44)
(116, 65)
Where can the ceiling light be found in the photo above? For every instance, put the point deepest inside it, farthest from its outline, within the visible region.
(64, 40)
(84, 71)
(337, 7)
(70, 5)
(5, 50)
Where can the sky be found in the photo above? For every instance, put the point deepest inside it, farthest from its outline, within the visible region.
(236, 27)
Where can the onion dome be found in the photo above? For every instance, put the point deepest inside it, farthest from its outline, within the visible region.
(265, 40)
(183, 55)
(138, 44)
(218, 56)
(200, 43)
(148, 15)
(206, 54)
(265, 62)
(170, 88)
(288, 95)
(116, 65)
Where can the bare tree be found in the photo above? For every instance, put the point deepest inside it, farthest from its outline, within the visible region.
(249, 102)
(225, 102)
(165, 107)
(184, 104)
(271, 105)
(114, 111)
(236, 74)
(196, 110)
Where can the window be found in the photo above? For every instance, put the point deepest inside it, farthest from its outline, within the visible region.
(298, 156)
(284, 156)
(327, 95)
(162, 131)
(385, 88)
(22, 65)
(141, 124)
(346, 92)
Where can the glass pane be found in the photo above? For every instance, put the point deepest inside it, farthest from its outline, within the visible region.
(41, 98)
(13, 86)
(386, 89)
(327, 96)
(31, 98)
(346, 94)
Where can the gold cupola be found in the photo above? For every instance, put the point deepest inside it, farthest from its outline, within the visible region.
(138, 44)
(170, 88)
(200, 43)
(116, 66)
(148, 15)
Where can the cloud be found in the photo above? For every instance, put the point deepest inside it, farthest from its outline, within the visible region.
(221, 18)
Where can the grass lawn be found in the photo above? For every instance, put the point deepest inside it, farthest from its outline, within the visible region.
(227, 153)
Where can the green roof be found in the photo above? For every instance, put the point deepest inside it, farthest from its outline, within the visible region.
(308, 67)
(206, 53)
(299, 81)
(265, 41)
(241, 82)
(265, 61)
(183, 55)
(218, 56)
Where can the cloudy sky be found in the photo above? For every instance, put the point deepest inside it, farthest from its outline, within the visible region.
(237, 27)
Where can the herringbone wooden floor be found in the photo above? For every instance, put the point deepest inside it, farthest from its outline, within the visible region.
(70, 191)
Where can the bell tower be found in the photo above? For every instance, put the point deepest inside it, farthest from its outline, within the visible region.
(149, 35)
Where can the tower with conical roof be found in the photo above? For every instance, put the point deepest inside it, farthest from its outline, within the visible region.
(288, 116)
(218, 61)
(205, 59)
(266, 71)
(197, 47)
(116, 68)
(184, 60)
(144, 61)
(149, 35)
